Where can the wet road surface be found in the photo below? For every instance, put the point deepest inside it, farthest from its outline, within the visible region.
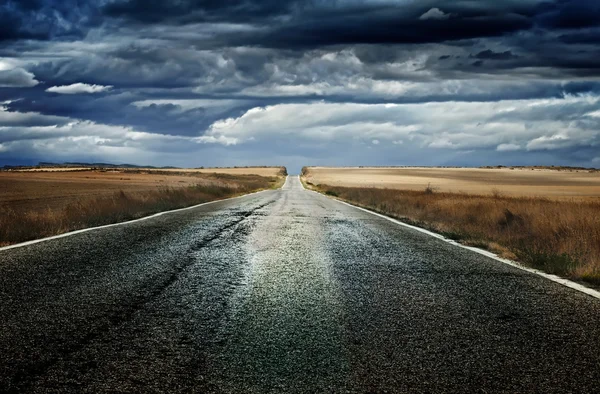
(284, 291)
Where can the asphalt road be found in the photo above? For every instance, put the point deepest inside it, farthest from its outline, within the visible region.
(284, 291)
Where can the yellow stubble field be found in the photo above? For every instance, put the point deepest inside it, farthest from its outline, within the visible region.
(40, 202)
(517, 182)
(54, 187)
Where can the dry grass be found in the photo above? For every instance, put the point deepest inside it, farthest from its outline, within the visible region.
(50, 169)
(36, 190)
(34, 208)
(262, 171)
(560, 237)
(557, 184)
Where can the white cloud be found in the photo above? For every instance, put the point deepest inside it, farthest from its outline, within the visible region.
(78, 88)
(442, 143)
(55, 136)
(434, 13)
(16, 78)
(216, 140)
(508, 147)
(501, 126)
(28, 119)
(412, 80)
(448, 128)
(549, 142)
(594, 114)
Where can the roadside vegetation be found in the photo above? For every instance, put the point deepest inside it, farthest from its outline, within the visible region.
(558, 237)
(20, 223)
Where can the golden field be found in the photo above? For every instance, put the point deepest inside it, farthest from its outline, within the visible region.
(262, 171)
(56, 187)
(35, 204)
(517, 182)
(554, 232)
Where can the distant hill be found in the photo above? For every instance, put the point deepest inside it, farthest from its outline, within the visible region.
(44, 164)
(555, 168)
(102, 165)
(81, 165)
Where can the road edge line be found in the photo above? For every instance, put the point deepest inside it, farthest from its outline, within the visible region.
(155, 215)
(557, 279)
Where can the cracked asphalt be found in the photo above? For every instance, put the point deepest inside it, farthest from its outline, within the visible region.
(284, 291)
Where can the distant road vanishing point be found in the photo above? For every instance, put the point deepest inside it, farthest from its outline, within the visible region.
(284, 291)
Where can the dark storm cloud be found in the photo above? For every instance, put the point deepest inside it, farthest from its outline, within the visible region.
(298, 23)
(585, 36)
(570, 14)
(491, 55)
(315, 23)
(173, 116)
(115, 110)
(46, 19)
(187, 11)
(303, 24)
(184, 73)
(387, 26)
(136, 69)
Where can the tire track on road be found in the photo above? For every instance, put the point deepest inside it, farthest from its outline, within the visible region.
(27, 376)
(288, 334)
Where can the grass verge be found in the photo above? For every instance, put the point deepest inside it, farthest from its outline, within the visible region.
(24, 224)
(558, 237)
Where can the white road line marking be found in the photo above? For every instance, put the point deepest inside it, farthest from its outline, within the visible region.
(554, 278)
(85, 230)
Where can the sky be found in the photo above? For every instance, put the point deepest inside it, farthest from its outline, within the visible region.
(194, 83)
